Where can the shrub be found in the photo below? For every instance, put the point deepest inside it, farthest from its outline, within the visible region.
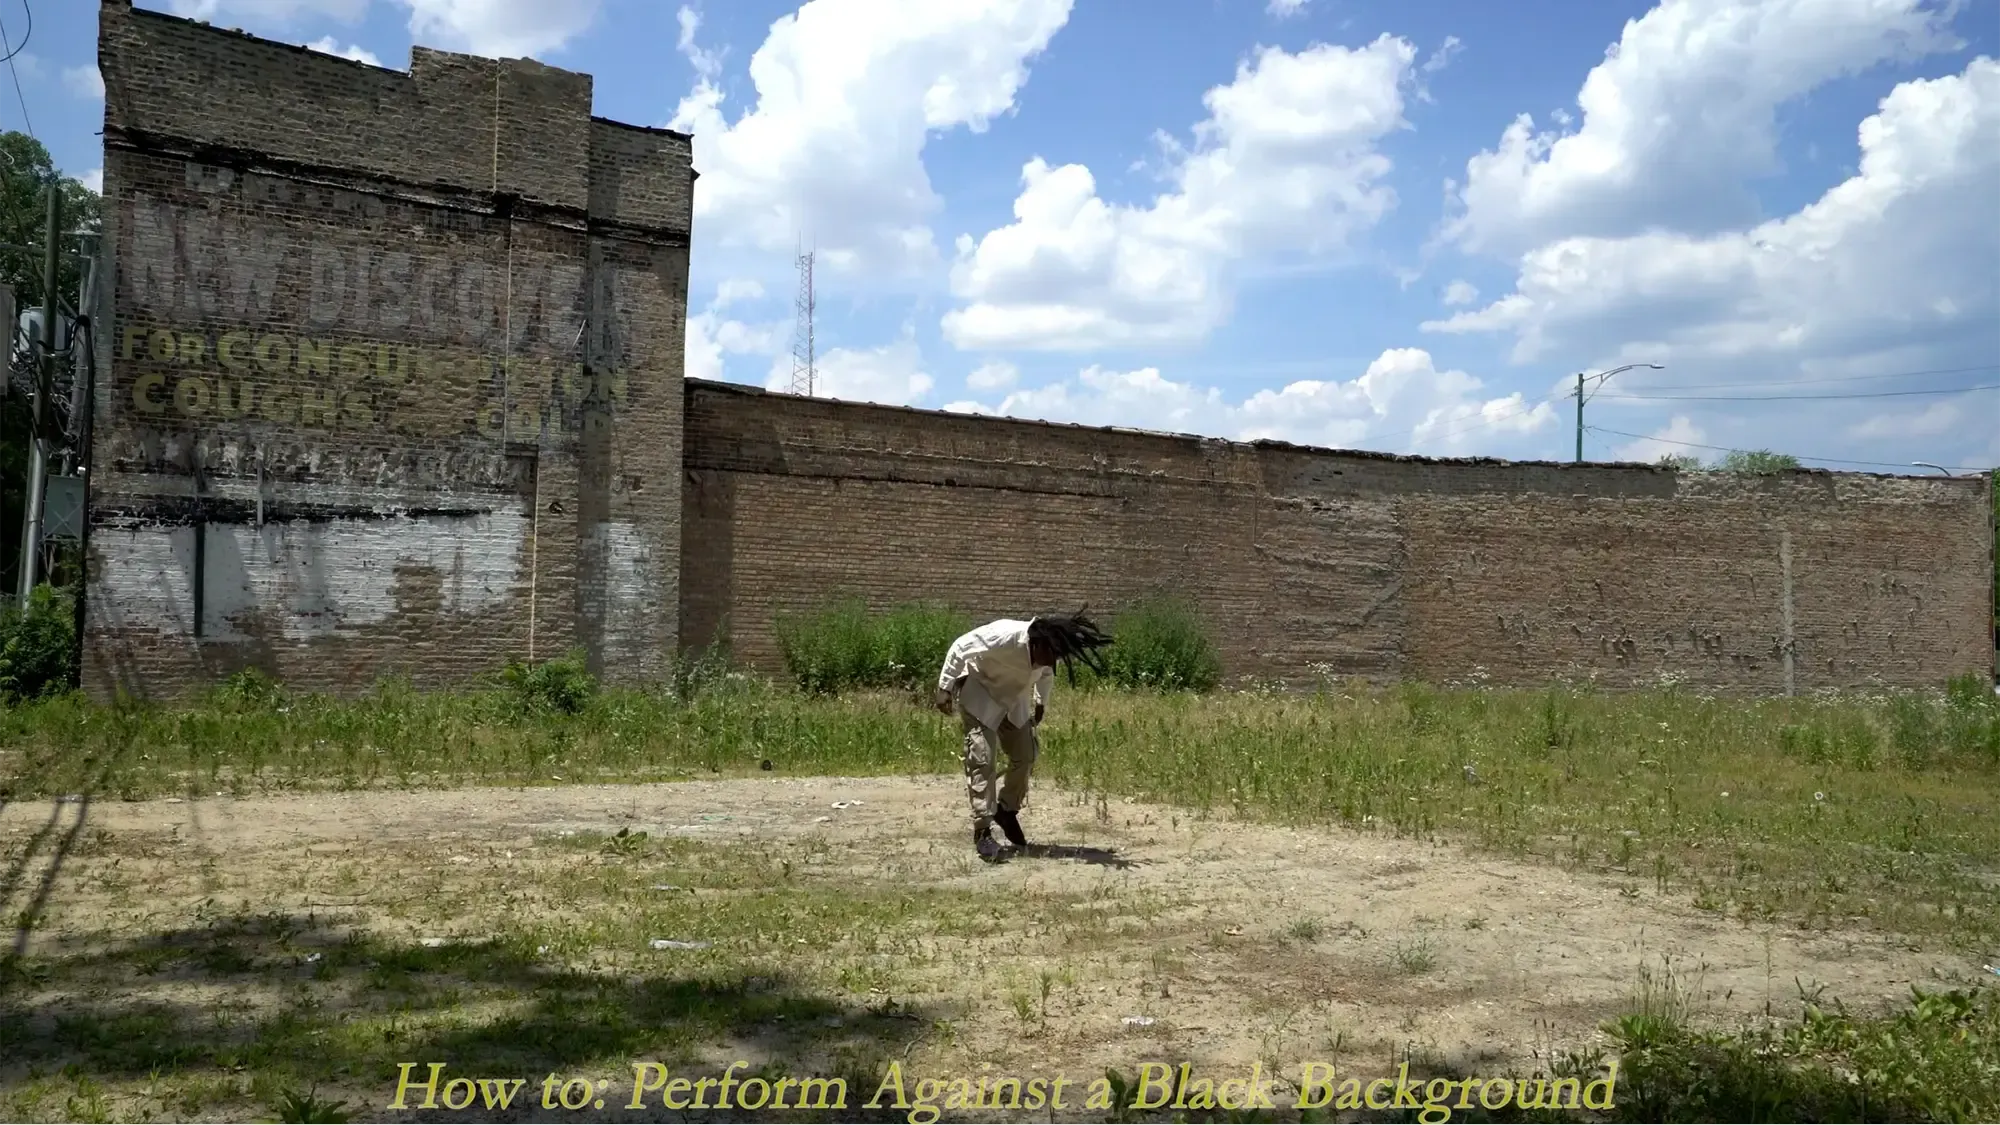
(1159, 644)
(562, 686)
(911, 642)
(843, 647)
(829, 650)
(37, 646)
(1758, 462)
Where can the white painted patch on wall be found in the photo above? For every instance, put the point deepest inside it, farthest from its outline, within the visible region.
(631, 600)
(310, 579)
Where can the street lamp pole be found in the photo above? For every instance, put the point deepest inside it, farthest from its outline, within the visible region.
(1580, 397)
(1928, 465)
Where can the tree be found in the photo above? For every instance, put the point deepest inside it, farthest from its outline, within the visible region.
(1760, 462)
(26, 171)
(1680, 462)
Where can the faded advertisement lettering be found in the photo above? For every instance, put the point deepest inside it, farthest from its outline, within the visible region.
(322, 382)
(190, 264)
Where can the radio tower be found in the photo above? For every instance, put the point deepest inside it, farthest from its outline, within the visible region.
(802, 340)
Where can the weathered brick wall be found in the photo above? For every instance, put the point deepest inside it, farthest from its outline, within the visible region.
(1361, 564)
(389, 367)
(390, 381)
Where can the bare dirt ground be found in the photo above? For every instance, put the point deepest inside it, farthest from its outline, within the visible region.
(1126, 934)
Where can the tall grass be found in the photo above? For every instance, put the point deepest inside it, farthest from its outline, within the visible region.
(844, 647)
(1161, 644)
(1936, 1060)
(1866, 812)
(1824, 812)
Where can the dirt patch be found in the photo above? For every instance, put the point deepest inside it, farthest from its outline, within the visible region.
(1127, 934)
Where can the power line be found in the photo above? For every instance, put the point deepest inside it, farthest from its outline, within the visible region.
(1843, 378)
(27, 125)
(1800, 456)
(30, 34)
(1514, 411)
(1799, 398)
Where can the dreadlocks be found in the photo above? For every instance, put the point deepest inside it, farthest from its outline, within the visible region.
(1069, 638)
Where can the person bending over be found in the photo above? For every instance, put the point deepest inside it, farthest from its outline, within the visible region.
(997, 678)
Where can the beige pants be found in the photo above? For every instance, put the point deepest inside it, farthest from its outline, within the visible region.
(1021, 747)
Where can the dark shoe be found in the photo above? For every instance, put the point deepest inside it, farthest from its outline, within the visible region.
(1011, 825)
(982, 839)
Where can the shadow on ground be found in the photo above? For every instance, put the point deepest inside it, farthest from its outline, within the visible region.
(1101, 857)
(249, 1011)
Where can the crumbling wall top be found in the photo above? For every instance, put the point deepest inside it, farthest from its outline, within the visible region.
(508, 127)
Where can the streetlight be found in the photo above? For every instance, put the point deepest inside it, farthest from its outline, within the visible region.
(1928, 465)
(1600, 382)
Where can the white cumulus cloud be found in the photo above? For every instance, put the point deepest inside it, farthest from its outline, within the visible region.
(1891, 271)
(1285, 164)
(1401, 402)
(1935, 420)
(328, 46)
(1678, 118)
(707, 64)
(275, 12)
(848, 94)
(1906, 246)
(995, 376)
(499, 28)
(1460, 293)
(890, 375)
(711, 336)
(1680, 437)
(736, 290)
(84, 81)
(494, 28)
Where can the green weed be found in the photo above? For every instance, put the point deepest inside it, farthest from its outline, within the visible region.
(1160, 644)
(36, 645)
(1937, 1060)
(845, 647)
(563, 686)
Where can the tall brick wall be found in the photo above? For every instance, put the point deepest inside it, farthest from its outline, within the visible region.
(389, 367)
(389, 381)
(1364, 564)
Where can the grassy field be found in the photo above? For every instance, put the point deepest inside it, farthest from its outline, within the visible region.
(1875, 811)
(1822, 816)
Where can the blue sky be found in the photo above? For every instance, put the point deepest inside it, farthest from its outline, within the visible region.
(1400, 226)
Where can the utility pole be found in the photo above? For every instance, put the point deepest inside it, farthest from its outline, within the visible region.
(44, 380)
(1600, 382)
(82, 362)
(1579, 417)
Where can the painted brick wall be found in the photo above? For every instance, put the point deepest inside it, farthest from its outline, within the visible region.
(389, 367)
(1366, 565)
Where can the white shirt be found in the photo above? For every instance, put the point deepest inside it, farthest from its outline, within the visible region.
(1000, 682)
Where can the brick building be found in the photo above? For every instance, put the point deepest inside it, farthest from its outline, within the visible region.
(390, 374)
(390, 381)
